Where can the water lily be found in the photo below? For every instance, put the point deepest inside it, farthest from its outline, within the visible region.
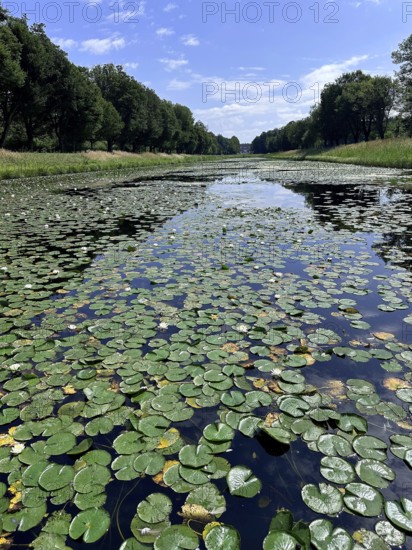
(28, 286)
(242, 328)
(72, 327)
(17, 448)
(163, 326)
(15, 366)
(276, 371)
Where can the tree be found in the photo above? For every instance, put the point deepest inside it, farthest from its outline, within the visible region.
(384, 91)
(12, 76)
(186, 136)
(111, 124)
(403, 57)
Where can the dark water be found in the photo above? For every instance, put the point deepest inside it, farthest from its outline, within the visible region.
(148, 232)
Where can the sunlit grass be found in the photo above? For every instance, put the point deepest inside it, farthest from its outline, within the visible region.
(391, 153)
(18, 165)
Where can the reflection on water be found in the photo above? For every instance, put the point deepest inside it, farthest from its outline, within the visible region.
(254, 195)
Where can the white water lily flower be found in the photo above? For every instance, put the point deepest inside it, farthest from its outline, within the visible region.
(56, 271)
(7, 214)
(242, 328)
(4, 268)
(28, 286)
(15, 366)
(163, 325)
(72, 327)
(46, 226)
(84, 249)
(128, 288)
(272, 280)
(278, 274)
(276, 371)
(17, 448)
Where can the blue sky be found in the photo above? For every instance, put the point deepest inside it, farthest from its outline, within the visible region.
(242, 67)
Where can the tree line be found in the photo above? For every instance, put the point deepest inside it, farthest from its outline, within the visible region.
(48, 103)
(355, 107)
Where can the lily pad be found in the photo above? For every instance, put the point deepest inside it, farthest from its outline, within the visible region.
(243, 483)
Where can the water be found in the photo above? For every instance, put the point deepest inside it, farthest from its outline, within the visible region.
(208, 263)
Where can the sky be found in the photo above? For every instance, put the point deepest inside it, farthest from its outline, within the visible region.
(241, 67)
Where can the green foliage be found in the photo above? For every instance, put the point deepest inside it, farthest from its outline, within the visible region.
(48, 102)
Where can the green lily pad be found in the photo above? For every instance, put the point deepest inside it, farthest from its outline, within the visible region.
(280, 541)
(367, 446)
(324, 537)
(155, 509)
(60, 443)
(323, 499)
(222, 537)
(56, 477)
(90, 524)
(400, 513)
(176, 536)
(363, 499)
(195, 456)
(242, 482)
(337, 470)
(375, 473)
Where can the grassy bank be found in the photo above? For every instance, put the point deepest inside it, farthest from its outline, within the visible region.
(390, 153)
(20, 165)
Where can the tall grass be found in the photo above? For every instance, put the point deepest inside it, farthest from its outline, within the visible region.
(390, 153)
(19, 165)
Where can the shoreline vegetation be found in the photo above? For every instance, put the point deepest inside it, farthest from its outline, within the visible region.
(388, 153)
(15, 165)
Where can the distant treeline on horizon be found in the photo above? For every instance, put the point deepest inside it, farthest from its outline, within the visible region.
(48, 103)
(355, 107)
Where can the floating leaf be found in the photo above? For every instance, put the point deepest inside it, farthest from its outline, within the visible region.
(363, 499)
(374, 473)
(323, 499)
(177, 536)
(400, 513)
(90, 524)
(324, 537)
(337, 470)
(156, 508)
(222, 537)
(243, 483)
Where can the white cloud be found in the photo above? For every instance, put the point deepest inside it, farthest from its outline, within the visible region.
(252, 69)
(173, 64)
(131, 12)
(170, 7)
(131, 65)
(190, 40)
(64, 43)
(330, 72)
(99, 46)
(178, 85)
(163, 31)
(362, 3)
